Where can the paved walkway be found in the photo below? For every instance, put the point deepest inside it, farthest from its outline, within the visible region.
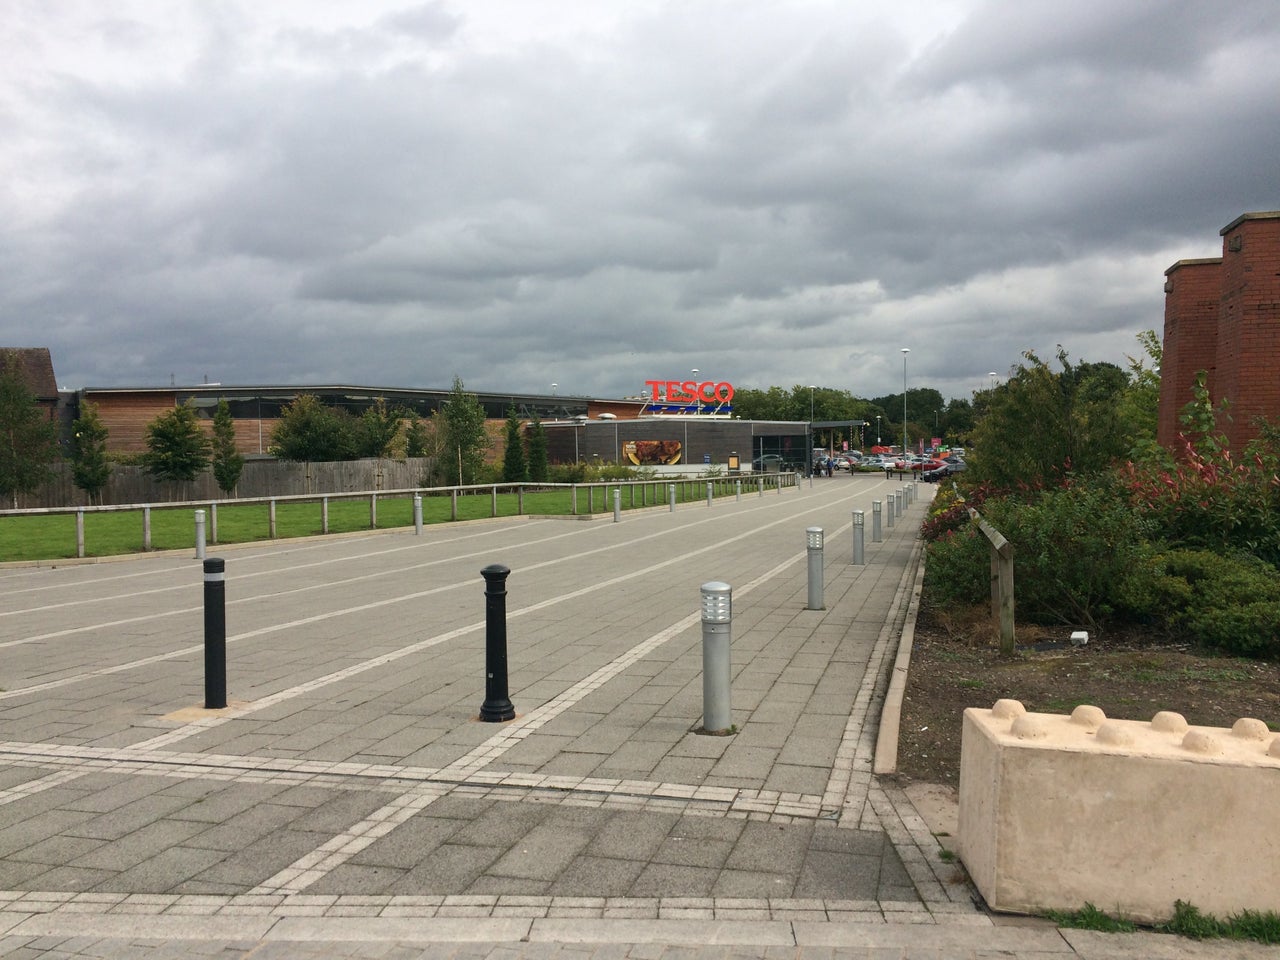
(349, 804)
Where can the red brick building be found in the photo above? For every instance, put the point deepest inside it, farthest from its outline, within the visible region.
(1222, 316)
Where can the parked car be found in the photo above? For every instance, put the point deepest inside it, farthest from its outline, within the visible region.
(954, 464)
(769, 463)
(933, 476)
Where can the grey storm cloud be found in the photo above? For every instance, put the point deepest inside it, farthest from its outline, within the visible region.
(527, 191)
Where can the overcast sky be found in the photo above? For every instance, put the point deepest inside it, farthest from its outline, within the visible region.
(596, 193)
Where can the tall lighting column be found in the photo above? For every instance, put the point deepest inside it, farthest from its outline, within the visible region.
(809, 452)
(905, 351)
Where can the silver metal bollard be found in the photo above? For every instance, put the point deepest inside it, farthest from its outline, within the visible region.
(858, 525)
(199, 534)
(671, 495)
(760, 481)
(710, 493)
(417, 514)
(737, 491)
(617, 505)
(875, 521)
(813, 538)
(79, 533)
(717, 636)
(889, 514)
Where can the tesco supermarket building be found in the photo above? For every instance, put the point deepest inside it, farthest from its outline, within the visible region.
(676, 424)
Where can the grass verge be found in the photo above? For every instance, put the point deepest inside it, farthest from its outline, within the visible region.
(1187, 921)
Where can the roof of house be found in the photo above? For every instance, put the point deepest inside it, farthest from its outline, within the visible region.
(36, 368)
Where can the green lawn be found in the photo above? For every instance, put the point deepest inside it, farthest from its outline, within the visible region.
(53, 536)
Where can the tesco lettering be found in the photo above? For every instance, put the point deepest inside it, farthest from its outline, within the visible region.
(690, 391)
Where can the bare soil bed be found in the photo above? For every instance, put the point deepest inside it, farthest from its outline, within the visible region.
(955, 663)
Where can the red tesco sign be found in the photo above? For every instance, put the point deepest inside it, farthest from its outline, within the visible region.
(690, 391)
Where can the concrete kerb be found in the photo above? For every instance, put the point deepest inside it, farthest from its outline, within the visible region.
(886, 756)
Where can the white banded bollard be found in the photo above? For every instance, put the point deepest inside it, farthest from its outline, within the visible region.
(215, 634)
(813, 540)
(717, 636)
(858, 527)
(875, 521)
(497, 707)
(199, 534)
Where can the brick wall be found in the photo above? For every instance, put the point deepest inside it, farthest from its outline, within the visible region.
(1249, 324)
(1192, 292)
(1223, 315)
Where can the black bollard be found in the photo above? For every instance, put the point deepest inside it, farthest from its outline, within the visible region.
(215, 634)
(497, 706)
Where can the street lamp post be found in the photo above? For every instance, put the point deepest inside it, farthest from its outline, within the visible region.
(809, 452)
(992, 375)
(905, 351)
(877, 429)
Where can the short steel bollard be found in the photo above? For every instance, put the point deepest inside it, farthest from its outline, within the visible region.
(199, 534)
(617, 505)
(710, 493)
(859, 523)
(737, 491)
(875, 521)
(717, 636)
(215, 634)
(898, 498)
(497, 706)
(889, 514)
(813, 538)
(417, 515)
(671, 495)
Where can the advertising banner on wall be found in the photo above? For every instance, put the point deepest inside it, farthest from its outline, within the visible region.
(652, 452)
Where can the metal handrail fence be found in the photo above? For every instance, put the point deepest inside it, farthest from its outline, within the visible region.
(640, 494)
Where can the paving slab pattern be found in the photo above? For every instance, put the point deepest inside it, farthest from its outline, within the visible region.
(348, 802)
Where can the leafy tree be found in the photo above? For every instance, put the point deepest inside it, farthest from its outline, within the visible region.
(515, 468)
(957, 421)
(90, 469)
(177, 449)
(28, 439)
(1042, 426)
(772, 404)
(539, 470)
(228, 464)
(418, 438)
(377, 430)
(309, 431)
(1141, 401)
(463, 437)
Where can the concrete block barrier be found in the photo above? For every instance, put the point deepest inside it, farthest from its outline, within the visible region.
(1060, 811)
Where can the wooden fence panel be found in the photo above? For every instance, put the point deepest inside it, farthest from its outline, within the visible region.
(261, 478)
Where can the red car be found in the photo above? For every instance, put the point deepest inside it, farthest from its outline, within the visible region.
(918, 465)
